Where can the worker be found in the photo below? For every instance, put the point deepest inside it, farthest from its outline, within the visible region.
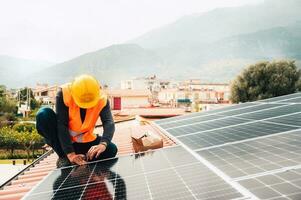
(70, 131)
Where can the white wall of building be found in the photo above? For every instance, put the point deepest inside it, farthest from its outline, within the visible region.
(134, 84)
(134, 102)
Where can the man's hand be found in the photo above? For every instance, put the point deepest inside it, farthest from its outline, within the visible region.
(78, 159)
(96, 150)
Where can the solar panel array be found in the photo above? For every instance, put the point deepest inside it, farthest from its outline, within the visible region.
(257, 145)
(169, 173)
(244, 151)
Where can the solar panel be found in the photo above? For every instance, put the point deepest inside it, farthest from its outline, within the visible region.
(232, 134)
(283, 185)
(205, 126)
(274, 112)
(292, 98)
(218, 115)
(283, 98)
(256, 145)
(169, 173)
(192, 115)
(295, 100)
(293, 120)
(221, 120)
(256, 156)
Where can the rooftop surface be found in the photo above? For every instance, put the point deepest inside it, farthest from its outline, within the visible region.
(122, 138)
(152, 112)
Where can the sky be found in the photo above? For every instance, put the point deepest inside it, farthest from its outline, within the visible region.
(59, 30)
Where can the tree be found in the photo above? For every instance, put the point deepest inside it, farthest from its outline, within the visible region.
(265, 80)
(29, 141)
(7, 105)
(2, 90)
(9, 139)
(20, 136)
(8, 108)
(34, 104)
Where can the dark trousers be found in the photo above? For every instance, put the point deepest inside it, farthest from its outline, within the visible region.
(46, 123)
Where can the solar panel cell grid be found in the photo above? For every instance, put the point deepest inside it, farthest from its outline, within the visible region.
(275, 112)
(251, 152)
(286, 185)
(282, 98)
(293, 120)
(258, 156)
(254, 108)
(193, 115)
(171, 173)
(200, 126)
(205, 126)
(294, 100)
(232, 134)
(210, 117)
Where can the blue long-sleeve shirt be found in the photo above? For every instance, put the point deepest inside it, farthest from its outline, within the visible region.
(63, 121)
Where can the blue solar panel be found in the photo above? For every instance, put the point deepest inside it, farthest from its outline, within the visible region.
(281, 185)
(193, 115)
(170, 173)
(254, 145)
(258, 156)
(233, 134)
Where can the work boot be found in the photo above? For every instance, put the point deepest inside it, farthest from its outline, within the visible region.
(62, 162)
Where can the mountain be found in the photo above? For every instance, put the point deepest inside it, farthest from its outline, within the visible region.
(214, 46)
(109, 65)
(224, 59)
(13, 70)
(222, 23)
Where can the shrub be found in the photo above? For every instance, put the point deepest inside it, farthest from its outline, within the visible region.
(24, 127)
(26, 138)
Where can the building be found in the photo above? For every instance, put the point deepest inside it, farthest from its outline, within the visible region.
(121, 99)
(143, 83)
(151, 83)
(134, 84)
(193, 91)
(45, 93)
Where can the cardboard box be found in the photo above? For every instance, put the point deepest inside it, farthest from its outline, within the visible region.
(145, 140)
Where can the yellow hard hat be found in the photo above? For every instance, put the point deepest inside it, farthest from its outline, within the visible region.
(85, 91)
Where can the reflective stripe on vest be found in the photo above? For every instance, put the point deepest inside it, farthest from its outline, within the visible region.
(79, 131)
(79, 136)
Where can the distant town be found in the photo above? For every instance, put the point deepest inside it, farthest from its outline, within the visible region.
(137, 96)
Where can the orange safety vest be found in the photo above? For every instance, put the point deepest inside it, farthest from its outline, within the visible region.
(79, 131)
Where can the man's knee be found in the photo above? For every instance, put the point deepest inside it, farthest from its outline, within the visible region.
(45, 113)
(45, 119)
(112, 149)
